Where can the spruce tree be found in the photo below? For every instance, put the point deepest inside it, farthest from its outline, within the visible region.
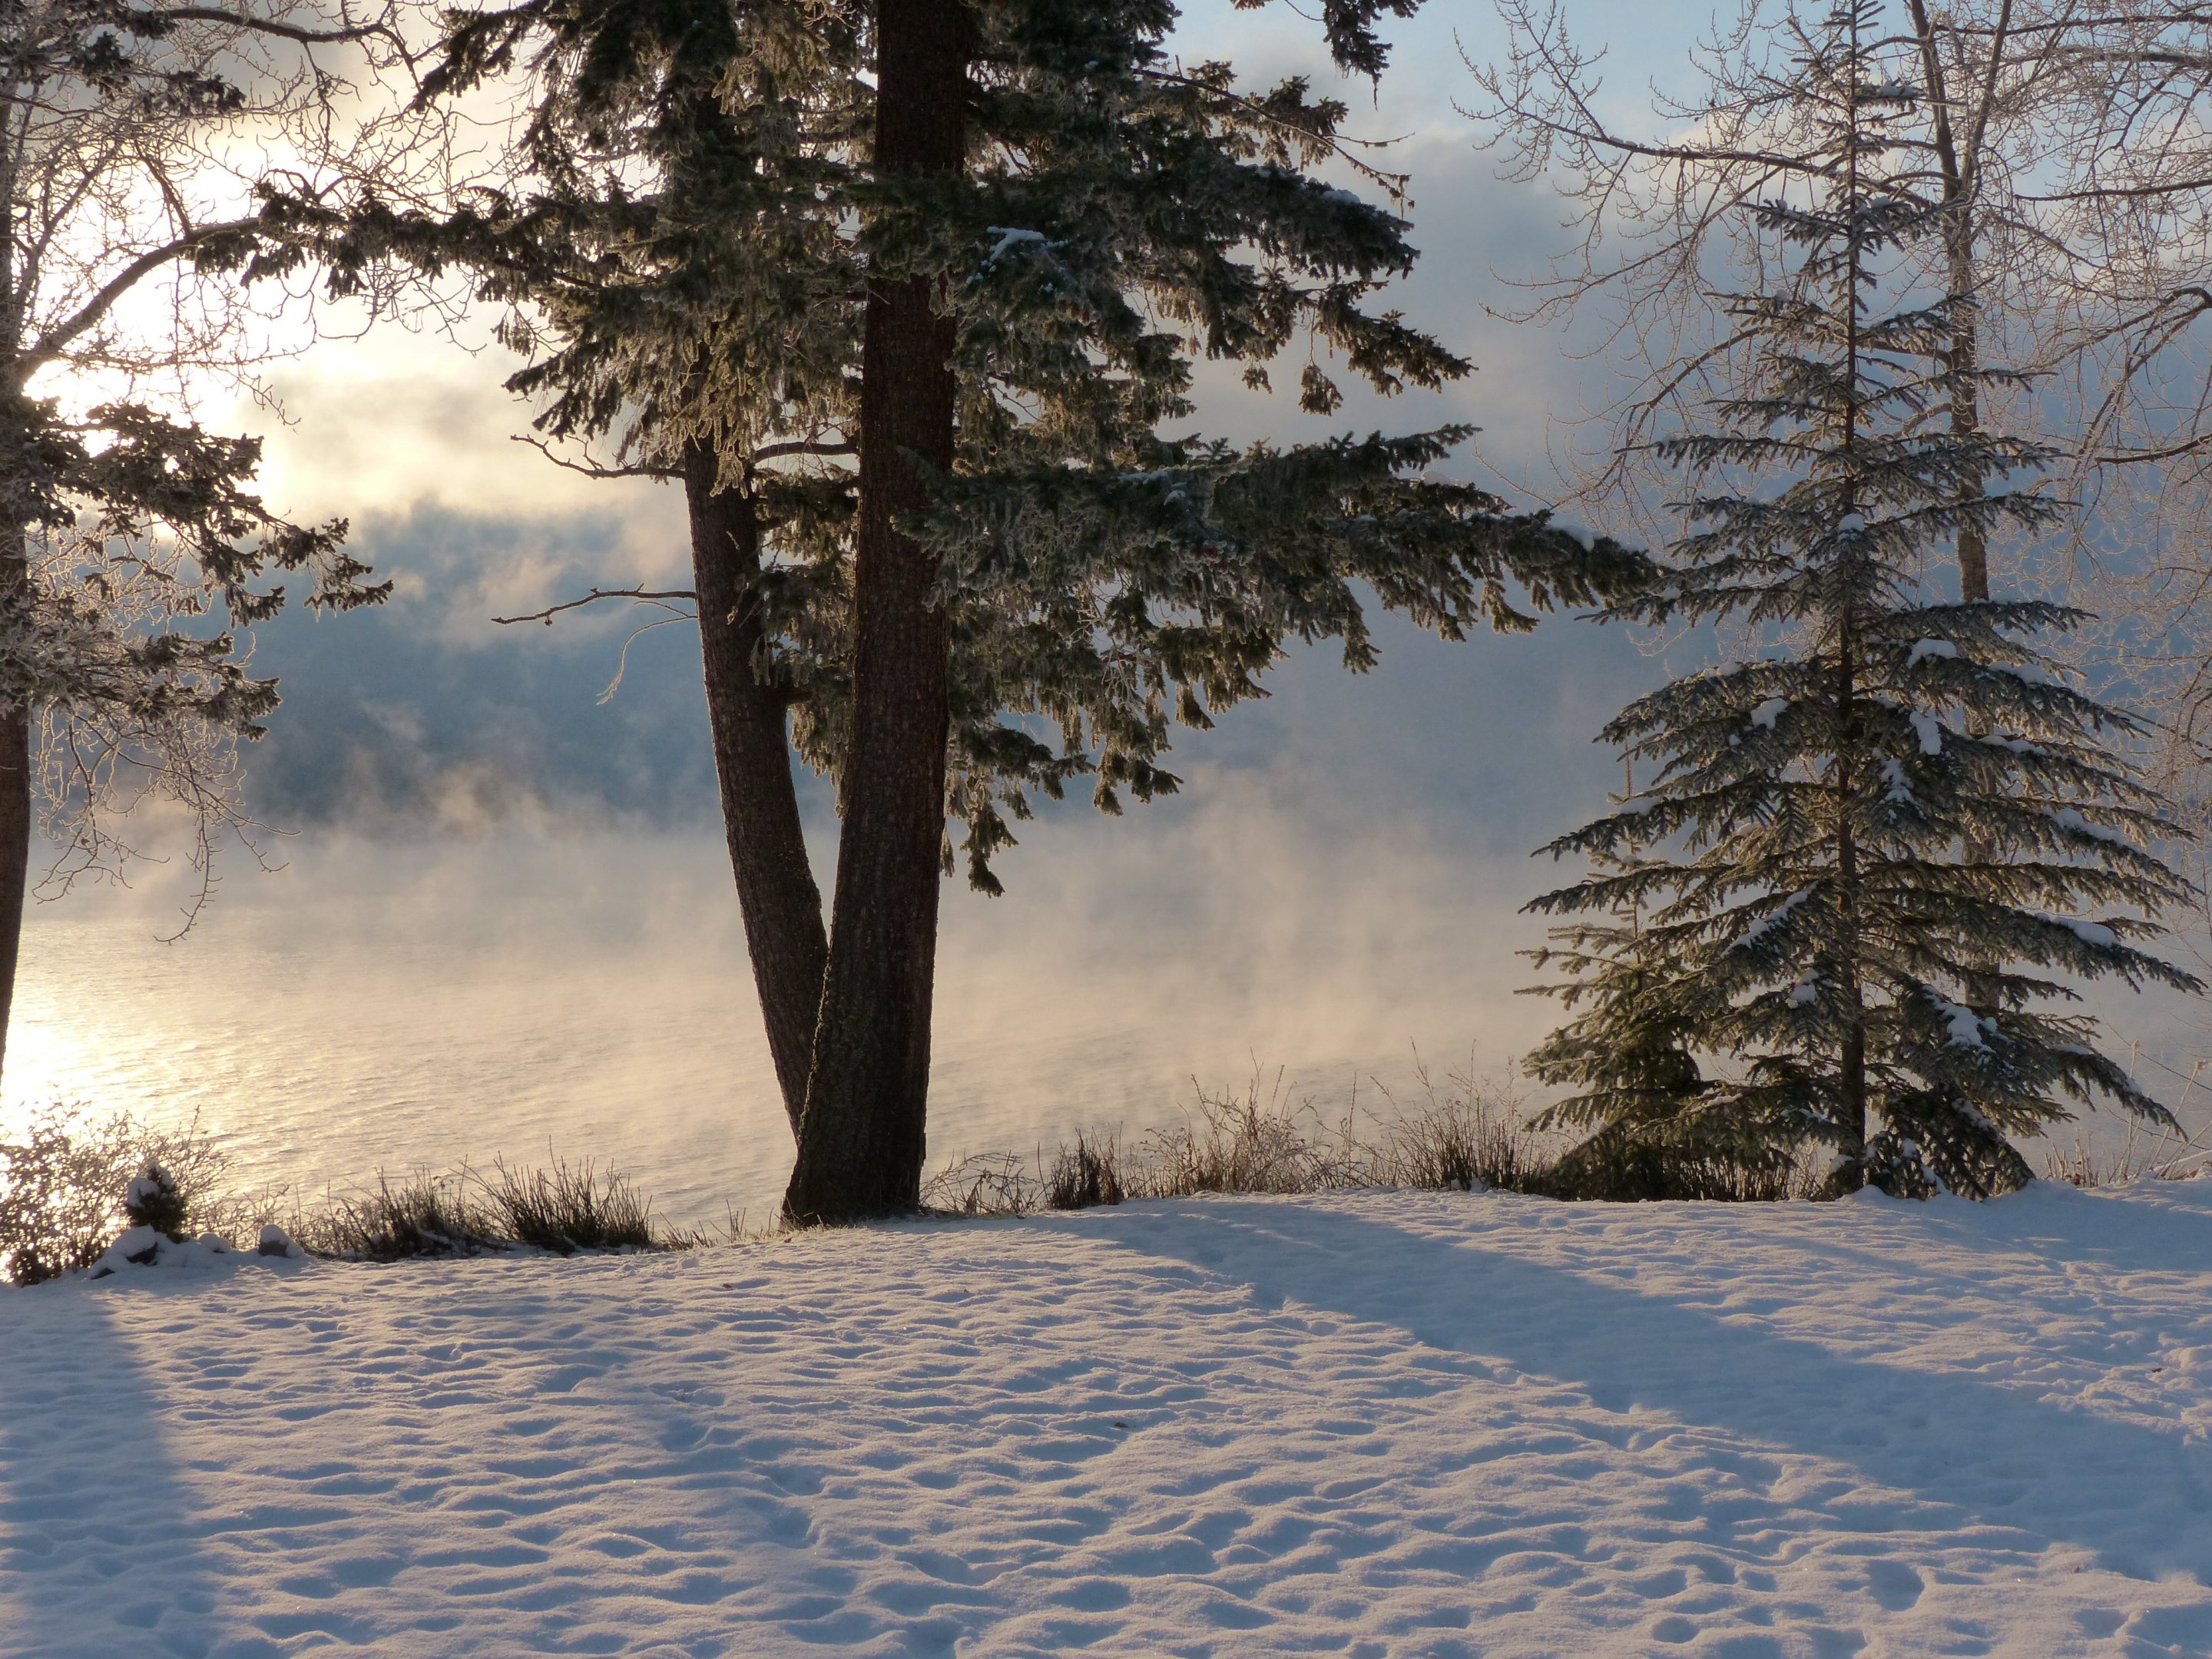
(982, 246)
(1879, 852)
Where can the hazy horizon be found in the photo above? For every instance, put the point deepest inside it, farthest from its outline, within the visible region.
(507, 922)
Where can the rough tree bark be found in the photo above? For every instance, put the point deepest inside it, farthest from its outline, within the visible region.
(14, 789)
(746, 714)
(860, 1145)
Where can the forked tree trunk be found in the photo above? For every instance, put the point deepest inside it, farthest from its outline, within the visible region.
(860, 1146)
(746, 714)
(14, 791)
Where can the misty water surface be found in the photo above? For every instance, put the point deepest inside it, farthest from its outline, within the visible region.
(397, 1004)
(393, 1005)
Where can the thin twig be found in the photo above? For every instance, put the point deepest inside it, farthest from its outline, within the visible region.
(639, 595)
(591, 469)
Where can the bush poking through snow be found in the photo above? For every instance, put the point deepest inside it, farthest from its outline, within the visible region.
(1468, 1137)
(1249, 1145)
(1464, 1140)
(1085, 1175)
(68, 1185)
(571, 1207)
(989, 1183)
(423, 1216)
(567, 1208)
(2170, 1157)
(152, 1199)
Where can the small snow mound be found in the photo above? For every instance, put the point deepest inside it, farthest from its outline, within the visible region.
(1966, 1025)
(274, 1241)
(1924, 649)
(1583, 536)
(1769, 712)
(2067, 818)
(147, 1247)
(1931, 731)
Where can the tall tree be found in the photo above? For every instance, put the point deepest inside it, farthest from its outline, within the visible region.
(1110, 213)
(2064, 144)
(981, 249)
(1876, 850)
(122, 522)
(862, 1137)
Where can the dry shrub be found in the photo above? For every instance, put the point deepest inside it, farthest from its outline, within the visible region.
(1261, 1140)
(988, 1183)
(71, 1184)
(571, 1207)
(1086, 1175)
(1249, 1144)
(2169, 1156)
(1460, 1143)
(64, 1186)
(566, 1209)
(1469, 1134)
(424, 1215)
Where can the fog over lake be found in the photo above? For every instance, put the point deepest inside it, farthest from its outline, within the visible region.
(392, 1004)
(397, 1005)
(506, 923)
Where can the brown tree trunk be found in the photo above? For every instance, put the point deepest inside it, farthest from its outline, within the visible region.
(1851, 1069)
(15, 793)
(860, 1147)
(746, 711)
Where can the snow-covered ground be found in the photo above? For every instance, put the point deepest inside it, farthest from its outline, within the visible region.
(1377, 1425)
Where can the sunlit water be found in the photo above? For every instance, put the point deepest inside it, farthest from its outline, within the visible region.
(394, 1006)
(398, 1006)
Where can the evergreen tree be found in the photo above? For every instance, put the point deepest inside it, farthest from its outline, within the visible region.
(977, 250)
(1878, 854)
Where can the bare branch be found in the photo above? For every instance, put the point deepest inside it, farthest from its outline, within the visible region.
(802, 447)
(154, 22)
(637, 595)
(593, 470)
(59, 335)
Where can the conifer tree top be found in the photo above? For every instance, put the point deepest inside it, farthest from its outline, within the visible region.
(685, 245)
(1877, 851)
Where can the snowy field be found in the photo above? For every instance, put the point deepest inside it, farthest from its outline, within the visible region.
(1377, 1425)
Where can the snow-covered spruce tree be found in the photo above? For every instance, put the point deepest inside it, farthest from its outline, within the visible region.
(1018, 555)
(123, 523)
(1875, 856)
